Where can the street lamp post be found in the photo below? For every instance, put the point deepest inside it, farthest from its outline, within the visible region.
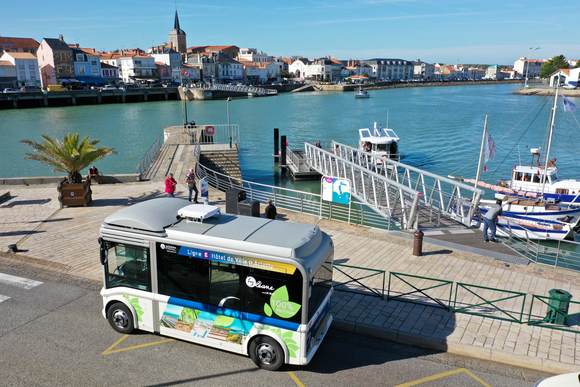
(229, 131)
(528, 65)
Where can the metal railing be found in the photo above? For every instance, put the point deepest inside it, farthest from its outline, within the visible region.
(362, 214)
(419, 291)
(552, 317)
(356, 275)
(439, 194)
(487, 302)
(149, 156)
(243, 89)
(203, 134)
(390, 199)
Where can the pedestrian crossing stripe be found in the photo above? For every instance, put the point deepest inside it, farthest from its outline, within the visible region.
(18, 281)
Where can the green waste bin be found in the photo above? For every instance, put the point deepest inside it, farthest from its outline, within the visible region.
(558, 306)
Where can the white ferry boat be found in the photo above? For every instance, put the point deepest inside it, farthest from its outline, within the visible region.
(380, 142)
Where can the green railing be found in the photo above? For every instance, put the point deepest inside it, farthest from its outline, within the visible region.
(419, 292)
(554, 317)
(489, 305)
(356, 279)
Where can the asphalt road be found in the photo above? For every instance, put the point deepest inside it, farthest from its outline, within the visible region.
(53, 334)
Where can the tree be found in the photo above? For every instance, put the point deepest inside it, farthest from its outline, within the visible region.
(553, 65)
(70, 156)
(286, 74)
(577, 64)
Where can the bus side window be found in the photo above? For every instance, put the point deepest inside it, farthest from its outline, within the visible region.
(128, 266)
(224, 286)
(181, 276)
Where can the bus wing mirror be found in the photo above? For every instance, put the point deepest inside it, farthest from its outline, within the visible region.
(103, 251)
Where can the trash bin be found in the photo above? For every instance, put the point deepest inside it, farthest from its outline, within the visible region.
(233, 196)
(558, 306)
(249, 208)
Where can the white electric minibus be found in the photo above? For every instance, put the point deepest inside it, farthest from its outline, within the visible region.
(249, 285)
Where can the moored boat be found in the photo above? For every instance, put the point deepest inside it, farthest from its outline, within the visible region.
(380, 142)
(362, 93)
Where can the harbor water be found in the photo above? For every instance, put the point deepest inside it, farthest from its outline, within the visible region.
(440, 128)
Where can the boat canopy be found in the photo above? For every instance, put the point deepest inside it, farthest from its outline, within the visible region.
(380, 135)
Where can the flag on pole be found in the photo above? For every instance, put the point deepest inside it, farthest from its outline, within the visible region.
(568, 105)
(489, 148)
(484, 168)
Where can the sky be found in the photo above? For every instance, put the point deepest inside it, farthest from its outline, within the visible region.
(444, 31)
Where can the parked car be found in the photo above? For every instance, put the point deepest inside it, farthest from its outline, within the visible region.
(108, 87)
(568, 86)
(11, 90)
(30, 88)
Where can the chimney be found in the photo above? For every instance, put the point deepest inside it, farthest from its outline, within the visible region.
(61, 38)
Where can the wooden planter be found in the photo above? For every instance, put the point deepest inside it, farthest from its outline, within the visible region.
(77, 194)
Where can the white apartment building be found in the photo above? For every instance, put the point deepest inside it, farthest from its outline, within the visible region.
(252, 55)
(531, 67)
(26, 66)
(423, 71)
(390, 69)
(169, 57)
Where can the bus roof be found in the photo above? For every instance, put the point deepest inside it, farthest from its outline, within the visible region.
(258, 235)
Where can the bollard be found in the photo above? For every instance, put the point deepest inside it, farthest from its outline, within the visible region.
(418, 243)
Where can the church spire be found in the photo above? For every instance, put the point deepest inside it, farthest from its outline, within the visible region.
(176, 24)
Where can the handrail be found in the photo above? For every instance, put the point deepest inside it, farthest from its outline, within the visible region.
(149, 156)
(489, 303)
(441, 283)
(358, 280)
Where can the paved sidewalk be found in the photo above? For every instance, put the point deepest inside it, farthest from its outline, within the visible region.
(65, 240)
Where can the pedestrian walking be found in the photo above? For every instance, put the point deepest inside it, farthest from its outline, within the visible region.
(490, 221)
(170, 185)
(190, 180)
(270, 210)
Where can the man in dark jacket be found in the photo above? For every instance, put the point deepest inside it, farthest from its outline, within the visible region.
(270, 210)
(490, 220)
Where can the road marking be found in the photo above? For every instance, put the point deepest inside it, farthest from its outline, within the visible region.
(442, 375)
(461, 231)
(433, 233)
(111, 350)
(295, 378)
(3, 298)
(18, 281)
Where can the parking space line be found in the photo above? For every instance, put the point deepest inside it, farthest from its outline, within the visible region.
(442, 375)
(111, 350)
(295, 378)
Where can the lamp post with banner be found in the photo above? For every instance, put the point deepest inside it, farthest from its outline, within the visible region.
(229, 131)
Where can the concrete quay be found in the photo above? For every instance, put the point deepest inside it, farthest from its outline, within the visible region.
(56, 243)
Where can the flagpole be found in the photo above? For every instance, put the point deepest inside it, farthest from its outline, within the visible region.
(480, 155)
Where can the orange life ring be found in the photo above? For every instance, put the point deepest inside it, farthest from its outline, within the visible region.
(386, 156)
(209, 130)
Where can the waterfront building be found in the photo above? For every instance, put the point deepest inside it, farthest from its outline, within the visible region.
(494, 72)
(177, 37)
(87, 67)
(423, 71)
(134, 66)
(251, 72)
(190, 73)
(10, 44)
(7, 75)
(26, 67)
(169, 57)
(228, 70)
(205, 63)
(390, 69)
(565, 77)
(110, 74)
(269, 72)
(252, 55)
(531, 67)
(317, 69)
(55, 61)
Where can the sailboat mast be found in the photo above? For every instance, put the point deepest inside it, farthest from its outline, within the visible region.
(481, 153)
(553, 120)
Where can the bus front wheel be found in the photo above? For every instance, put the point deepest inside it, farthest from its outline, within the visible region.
(266, 353)
(120, 318)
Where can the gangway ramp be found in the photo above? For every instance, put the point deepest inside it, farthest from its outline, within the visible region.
(412, 198)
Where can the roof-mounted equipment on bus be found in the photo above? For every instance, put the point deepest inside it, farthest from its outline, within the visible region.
(198, 212)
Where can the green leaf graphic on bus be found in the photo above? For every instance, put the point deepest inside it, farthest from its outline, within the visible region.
(281, 305)
(138, 309)
(287, 337)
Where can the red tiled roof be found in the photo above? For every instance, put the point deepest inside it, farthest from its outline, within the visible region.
(9, 43)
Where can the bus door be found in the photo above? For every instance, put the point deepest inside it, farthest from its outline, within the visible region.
(128, 279)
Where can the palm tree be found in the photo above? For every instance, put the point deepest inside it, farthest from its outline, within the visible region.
(70, 156)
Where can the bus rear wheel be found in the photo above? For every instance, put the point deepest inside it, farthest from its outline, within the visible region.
(266, 353)
(120, 318)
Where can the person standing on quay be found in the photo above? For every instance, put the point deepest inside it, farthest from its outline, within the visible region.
(490, 220)
(190, 180)
(270, 210)
(170, 184)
